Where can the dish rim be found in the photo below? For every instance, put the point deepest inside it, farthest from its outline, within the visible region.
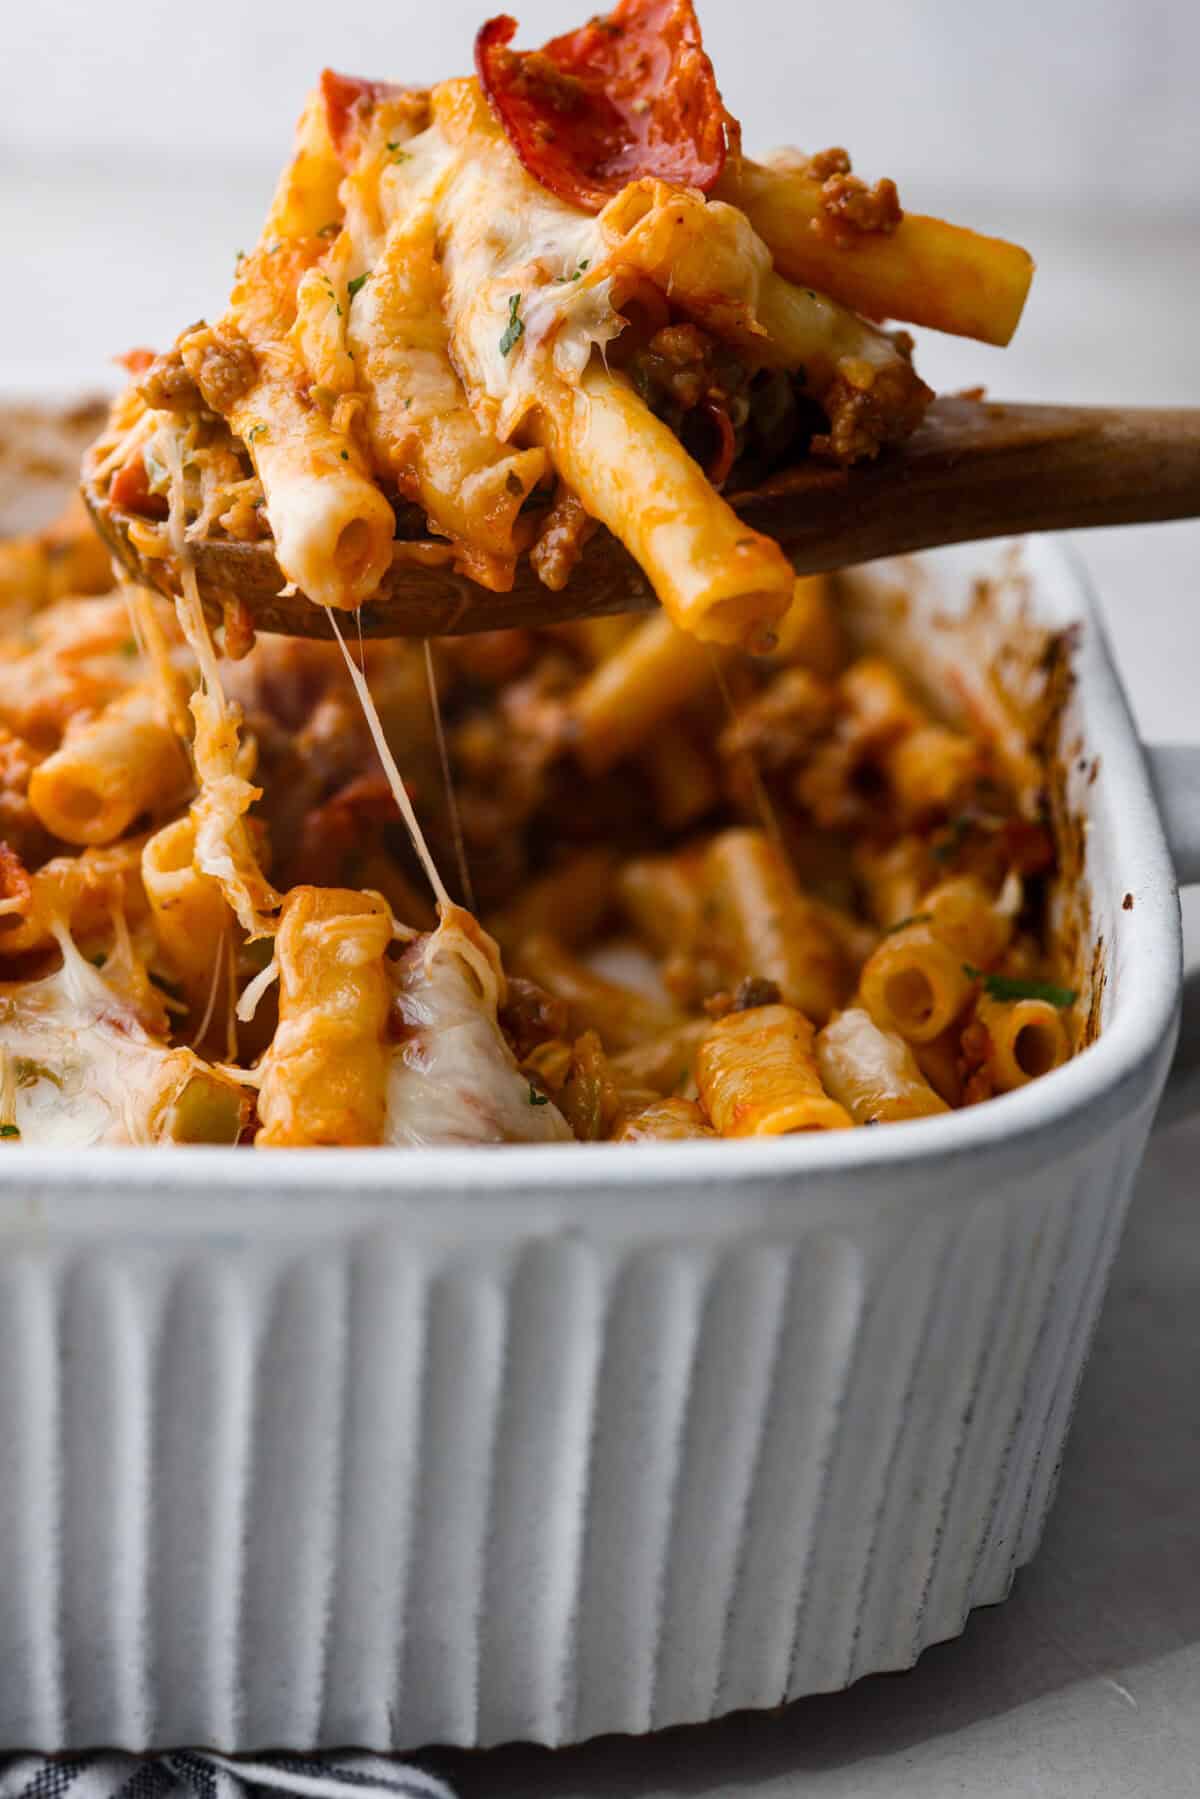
(1045, 1120)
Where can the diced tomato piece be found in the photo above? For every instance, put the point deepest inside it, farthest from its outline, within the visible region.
(627, 95)
(130, 491)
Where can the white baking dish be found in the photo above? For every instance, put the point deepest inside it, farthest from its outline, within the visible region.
(387, 1448)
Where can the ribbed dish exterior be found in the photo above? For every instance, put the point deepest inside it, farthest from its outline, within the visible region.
(349, 1473)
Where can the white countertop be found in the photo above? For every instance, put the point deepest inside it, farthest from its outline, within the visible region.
(1087, 1682)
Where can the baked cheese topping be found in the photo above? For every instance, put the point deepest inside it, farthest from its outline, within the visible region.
(78, 1068)
(452, 1077)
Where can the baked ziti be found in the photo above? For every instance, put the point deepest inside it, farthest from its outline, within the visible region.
(486, 318)
(743, 881)
(710, 893)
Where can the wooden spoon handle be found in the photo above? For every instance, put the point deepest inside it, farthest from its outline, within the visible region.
(974, 469)
(978, 468)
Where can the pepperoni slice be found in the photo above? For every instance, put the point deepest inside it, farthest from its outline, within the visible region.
(348, 102)
(628, 95)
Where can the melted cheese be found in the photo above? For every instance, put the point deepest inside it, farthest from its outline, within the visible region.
(515, 255)
(502, 234)
(453, 1078)
(223, 848)
(79, 1069)
(399, 792)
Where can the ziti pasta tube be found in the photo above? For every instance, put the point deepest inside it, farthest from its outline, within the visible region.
(421, 427)
(332, 526)
(661, 898)
(666, 1120)
(654, 671)
(758, 1077)
(109, 770)
(325, 1075)
(191, 919)
(718, 579)
(763, 924)
(914, 984)
(964, 917)
(873, 1073)
(1025, 1038)
(925, 272)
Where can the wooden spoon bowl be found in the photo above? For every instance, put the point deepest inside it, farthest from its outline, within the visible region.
(974, 469)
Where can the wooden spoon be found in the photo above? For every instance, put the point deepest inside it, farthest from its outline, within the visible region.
(974, 469)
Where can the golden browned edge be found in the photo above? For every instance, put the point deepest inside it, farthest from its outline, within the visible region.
(1048, 659)
(1085, 955)
(1037, 682)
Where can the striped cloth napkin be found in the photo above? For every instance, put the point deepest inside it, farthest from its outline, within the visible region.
(197, 1774)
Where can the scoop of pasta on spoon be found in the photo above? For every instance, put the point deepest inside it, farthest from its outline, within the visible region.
(974, 469)
(544, 343)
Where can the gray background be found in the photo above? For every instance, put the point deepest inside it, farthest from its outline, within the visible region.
(1089, 99)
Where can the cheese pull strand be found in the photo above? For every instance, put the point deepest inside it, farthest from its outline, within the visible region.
(399, 794)
(223, 846)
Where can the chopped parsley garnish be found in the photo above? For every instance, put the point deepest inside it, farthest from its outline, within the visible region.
(9, 1130)
(902, 924)
(397, 152)
(129, 648)
(1014, 987)
(238, 256)
(358, 283)
(536, 1098)
(563, 280)
(345, 455)
(514, 331)
(255, 432)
